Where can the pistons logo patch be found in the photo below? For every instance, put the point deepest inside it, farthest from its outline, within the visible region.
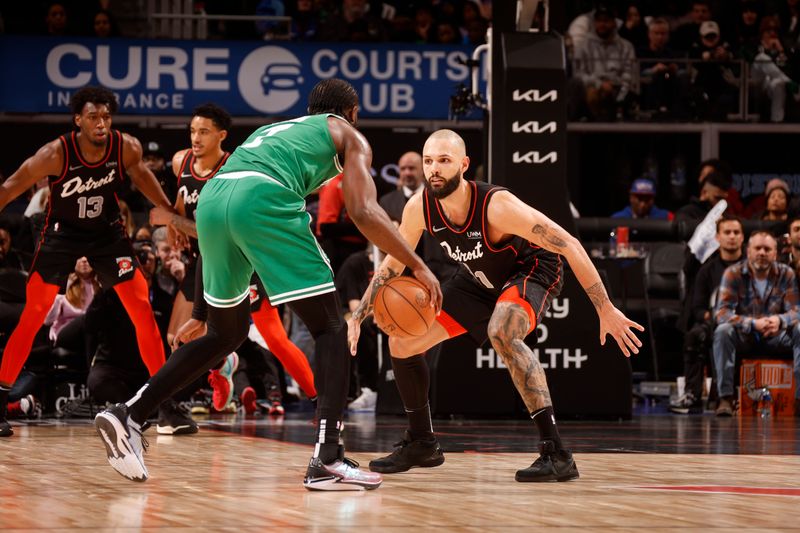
(125, 265)
(254, 297)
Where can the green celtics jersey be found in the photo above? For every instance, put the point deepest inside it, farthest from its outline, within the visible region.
(299, 153)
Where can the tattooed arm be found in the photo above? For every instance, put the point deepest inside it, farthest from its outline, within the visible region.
(508, 215)
(410, 229)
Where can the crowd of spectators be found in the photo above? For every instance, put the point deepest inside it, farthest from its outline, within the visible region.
(649, 60)
(421, 21)
(629, 59)
(741, 291)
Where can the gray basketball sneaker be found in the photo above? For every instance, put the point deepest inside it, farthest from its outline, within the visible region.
(342, 474)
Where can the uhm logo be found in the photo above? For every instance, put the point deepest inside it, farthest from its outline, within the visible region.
(270, 78)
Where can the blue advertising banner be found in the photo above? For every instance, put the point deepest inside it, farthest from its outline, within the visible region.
(247, 78)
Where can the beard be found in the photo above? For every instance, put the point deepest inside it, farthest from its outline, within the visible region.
(450, 185)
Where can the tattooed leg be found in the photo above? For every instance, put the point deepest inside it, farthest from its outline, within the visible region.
(507, 329)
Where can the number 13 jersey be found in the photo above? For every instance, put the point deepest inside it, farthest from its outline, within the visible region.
(84, 197)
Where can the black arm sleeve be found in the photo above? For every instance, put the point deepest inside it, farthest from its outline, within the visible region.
(200, 307)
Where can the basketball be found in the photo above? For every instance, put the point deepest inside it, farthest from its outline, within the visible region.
(402, 308)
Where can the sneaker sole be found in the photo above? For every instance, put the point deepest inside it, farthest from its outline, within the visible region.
(334, 483)
(180, 430)
(120, 456)
(393, 470)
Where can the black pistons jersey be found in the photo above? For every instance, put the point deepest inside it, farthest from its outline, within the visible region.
(190, 185)
(491, 265)
(84, 196)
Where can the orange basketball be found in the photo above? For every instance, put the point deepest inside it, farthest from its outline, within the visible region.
(402, 308)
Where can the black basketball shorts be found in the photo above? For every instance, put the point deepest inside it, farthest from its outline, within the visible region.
(467, 306)
(111, 256)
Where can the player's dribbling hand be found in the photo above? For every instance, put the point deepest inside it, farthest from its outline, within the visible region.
(189, 331)
(615, 323)
(353, 333)
(426, 277)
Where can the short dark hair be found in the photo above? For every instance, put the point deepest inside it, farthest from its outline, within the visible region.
(332, 96)
(792, 220)
(94, 95)
(213, 112)
(718, 179)
(729, 218)
(723, 167)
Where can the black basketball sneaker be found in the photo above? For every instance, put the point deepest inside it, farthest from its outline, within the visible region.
(409, 453)
(552, 465)
(123, 440)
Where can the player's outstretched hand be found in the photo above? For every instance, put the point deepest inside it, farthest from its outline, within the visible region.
(427, 278)
(160, 216)
(615, 323)
(189, 331)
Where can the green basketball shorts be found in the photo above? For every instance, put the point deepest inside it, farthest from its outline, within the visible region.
(248, 221)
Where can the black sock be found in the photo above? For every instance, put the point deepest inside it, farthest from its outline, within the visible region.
(412, 377)
(3, 401)
(545, 421)
(326, 449)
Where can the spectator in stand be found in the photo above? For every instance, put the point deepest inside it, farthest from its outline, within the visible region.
(353, 279)
(792, 255)
(604, 63)
(116, 370)
(790, 25)
(473, 25)
(714, 188)
(154, 159)
(769, 69)
(697, 341)
(9, 257)
(104, 26)
(580, 28)
(409, 182)
(66, 331)
(777, 195)
(143, 234)
(757, 309)
(747, 30)
(642, 198)
(305, 21)
(354, 23)
(713, 72)
(687, 34)
(336, 231)
(424, 24)
(447, 33)
(476, 31)
(55, 21)
(664, 85)
(634, 28)
(13, 279)
(170, 269)
(126, 216)
(735, 204)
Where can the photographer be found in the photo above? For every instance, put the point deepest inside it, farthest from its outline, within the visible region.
(117, 371)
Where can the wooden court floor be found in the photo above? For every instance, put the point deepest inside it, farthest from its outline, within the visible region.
(55, 477)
